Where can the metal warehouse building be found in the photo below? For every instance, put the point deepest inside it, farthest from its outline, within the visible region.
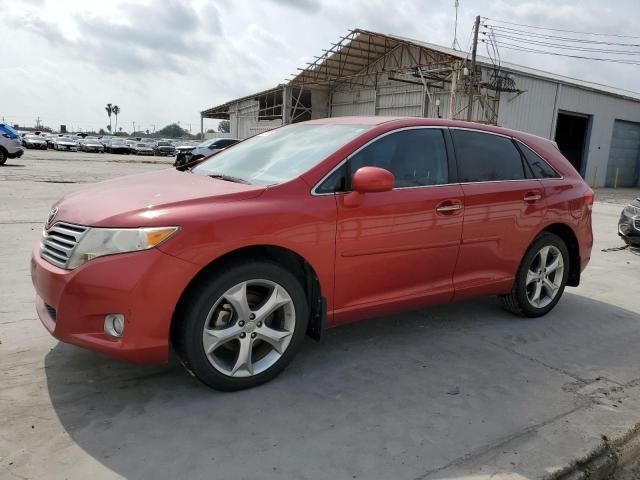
(367, 73)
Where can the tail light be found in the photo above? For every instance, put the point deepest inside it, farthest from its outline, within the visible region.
(589, 198)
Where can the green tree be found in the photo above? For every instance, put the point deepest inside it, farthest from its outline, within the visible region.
(109, 111)
(116, 110)
(224, 126)
(101, 132)
(172, 131)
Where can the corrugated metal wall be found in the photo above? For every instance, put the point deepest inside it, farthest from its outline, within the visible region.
(243, 120)
(353, 102)
(531, 111)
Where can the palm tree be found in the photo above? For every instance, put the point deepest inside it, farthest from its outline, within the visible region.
(116, 110)
(109, 110)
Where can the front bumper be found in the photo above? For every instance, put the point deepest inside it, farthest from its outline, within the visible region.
(143, 286)
(629, 228)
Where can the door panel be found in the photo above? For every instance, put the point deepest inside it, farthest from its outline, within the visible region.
(498, 226)
(395, 245)
(504, 207)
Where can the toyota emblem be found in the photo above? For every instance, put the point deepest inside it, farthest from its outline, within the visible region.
(52, 215)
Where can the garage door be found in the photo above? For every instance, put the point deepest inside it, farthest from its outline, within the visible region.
(624, 154)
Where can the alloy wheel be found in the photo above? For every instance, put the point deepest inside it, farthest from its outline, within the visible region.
(544, 276)
(249, 328)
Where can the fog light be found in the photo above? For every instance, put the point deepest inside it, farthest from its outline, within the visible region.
(114, 325)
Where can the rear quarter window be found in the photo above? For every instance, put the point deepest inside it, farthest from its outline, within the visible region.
(539, 166)
(483, 157)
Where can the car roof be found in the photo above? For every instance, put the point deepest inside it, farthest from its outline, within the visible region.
(375, 121)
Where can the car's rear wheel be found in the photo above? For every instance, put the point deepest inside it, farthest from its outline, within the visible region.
(3, 156)
(242, 325)
(541, 277)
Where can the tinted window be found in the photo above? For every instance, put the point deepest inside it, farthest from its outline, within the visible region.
(539, 167)
(416, 157)
(484, 157)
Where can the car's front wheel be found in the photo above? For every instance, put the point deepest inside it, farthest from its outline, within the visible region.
(541, 277)
(241, 326)
(3, 156)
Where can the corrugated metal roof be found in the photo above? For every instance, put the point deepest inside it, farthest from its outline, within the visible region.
(350, 56)
(521, 69)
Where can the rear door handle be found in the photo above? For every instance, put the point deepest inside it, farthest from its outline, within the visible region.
(448, 206)
(532, 197)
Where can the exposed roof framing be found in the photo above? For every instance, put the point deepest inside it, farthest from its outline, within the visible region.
(222, 111)
(362, 53)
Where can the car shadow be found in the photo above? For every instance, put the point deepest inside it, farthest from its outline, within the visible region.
(12, 165)
(390, 397)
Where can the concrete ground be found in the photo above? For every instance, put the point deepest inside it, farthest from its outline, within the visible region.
(461, 390)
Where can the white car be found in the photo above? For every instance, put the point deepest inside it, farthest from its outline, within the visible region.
(91, 144)
(10, 143)
(34, 141)
(65, 143)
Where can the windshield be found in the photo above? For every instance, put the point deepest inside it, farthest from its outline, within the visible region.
(6, 129)
(164, 144)
(279, 155)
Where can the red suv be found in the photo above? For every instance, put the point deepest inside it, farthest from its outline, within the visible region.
(306, 227)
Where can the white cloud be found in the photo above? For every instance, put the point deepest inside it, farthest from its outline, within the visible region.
(165, 60)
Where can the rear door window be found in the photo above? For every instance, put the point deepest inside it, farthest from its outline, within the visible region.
(484, 157)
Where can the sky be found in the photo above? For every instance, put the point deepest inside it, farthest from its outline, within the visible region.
(163, 61)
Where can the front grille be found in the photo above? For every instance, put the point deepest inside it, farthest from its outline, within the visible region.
(636, 223)
(59, 241)
(51, 311)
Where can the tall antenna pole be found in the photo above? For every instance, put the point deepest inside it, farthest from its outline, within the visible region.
(455, 27)
(472, 73)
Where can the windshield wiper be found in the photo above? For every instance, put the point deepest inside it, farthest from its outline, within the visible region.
(229, 178)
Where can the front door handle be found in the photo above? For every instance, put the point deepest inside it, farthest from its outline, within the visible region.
(448, 207)
(532, 197)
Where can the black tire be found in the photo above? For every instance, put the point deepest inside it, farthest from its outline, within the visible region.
(3, 156)
(517, 301)
(191, 315)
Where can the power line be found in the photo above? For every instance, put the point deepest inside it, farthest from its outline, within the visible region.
(565, 46)
(513, 31)
(520, 48)
(561, 30)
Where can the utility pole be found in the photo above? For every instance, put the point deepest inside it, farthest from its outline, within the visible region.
(472, 73)
(134, 129)
(38, 120)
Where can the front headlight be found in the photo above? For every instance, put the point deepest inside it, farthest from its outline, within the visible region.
(631, 210)
(97, 242)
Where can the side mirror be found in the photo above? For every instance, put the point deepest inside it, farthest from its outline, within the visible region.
(372, 179)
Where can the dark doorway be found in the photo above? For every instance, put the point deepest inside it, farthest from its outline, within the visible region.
(571, 136)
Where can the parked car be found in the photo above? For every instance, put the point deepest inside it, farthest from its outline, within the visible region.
(10, 143)
(164, 147)
(34, 141)
(91, 144)
(51, 140)
(202, 152)
(65, 143)
(305, 227)
(141, 148)
(118, 146)
(629, 223)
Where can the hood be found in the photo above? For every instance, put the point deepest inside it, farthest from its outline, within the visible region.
(149, 199)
